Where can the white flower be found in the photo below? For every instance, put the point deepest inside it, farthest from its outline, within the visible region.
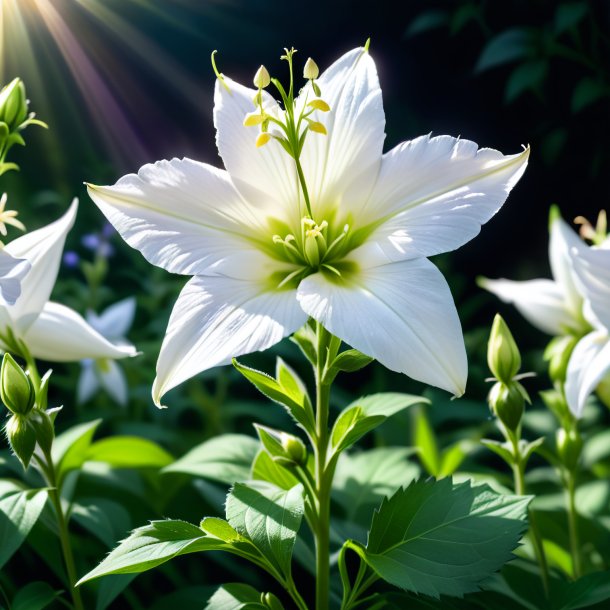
(590, 360)
(12, 272)
(553, 306)
(50, 331)
(113, 324)
(262, 265)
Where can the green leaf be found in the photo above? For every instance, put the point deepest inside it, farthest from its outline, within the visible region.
(424, 22)
(185, 598)
(265, 468)
(568, 15)
(105, 519)
(529, 76)
(235, 596)
(506, 47)
(453, 456)
(438, 538)
(227, 458)
(587, 92)
(19, 511)
(504, 450)
(34, 596)
(424, 441)
(70, 448)
(349, 361)
(110, 588)
(583, 593)
(269, 517)
(463, 16)
(154, 544)
(128, 452)
(365, 414)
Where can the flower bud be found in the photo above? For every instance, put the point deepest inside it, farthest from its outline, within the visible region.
(253, 118)
(507, 401)
(271, 601)
(262, 139)
(294, 448)
(569, 447)
(21, 437)
(310, 70)
(13, 104)
(503, 355)
(44, 429)
(558, 353)
(261, 78)
(16, 389)
(320, 105)
(285, 449)
(317, 127)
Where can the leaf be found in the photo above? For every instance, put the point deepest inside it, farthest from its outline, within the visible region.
(34, 596)
(529, 76)
(105, 519)
(265, 469)
(365, 414)
(453, 456)
(235, 596)
(583, 593)
(128, 452)
(110, 588)
(149, 546)
(438, 538)
(185, 598)
(70, 448)
(269, 517)
(587, 92)
(503, 449)
(226, 458)
(568, 15)
(463, 16)
(349, 361)
(19, 511)
(424, 441)
(424, 22)
(506, 47)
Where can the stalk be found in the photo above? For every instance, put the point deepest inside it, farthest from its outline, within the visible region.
(573, 526)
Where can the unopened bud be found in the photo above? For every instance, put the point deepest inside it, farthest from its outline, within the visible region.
(558, 353)
(13, 104)
(294, 448)
(569, 447)
(285, 449)
(507, 401)
(16, 388)
(503, 355)
(253, 118)
(310, 70)
(44, 429)
(271, 601)
(261, 78)
(21, 437)
(319, 105)
(262, 139)
(317, 127)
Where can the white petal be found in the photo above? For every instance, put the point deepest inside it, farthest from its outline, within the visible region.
(60, 334)
(541, 302)
(182, 215)
(116, 320)
(341, 167)
(113, 381)
(88, 383)
(592, 266)
(564, 240)
(218, 318)
(588, 364)
(402, 314)
(12, 272)
(267, 175)
(433, 194)
(43, 249)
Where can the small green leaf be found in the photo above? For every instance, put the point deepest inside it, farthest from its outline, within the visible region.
(34, 596)
(105, 519)
(128, 452)
(269, 517)
(235, 596)
(365, 414)
(504, 450)
(70, 448)
(585, 592)
(506, 47)
(587, 92)
(154, 544)
(437, 538)
(265, 469)
(425, 442)
(568, 15)
(529, 76)
(226, 458)
(426, 21)
(19, 511)
(463, 16)
(453, 456)
(349, 361)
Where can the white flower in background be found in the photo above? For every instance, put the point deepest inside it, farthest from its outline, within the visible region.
(262, 263)
(113, 324)
(590, 360)
(12, 270)
(50, 331)
(553, 306)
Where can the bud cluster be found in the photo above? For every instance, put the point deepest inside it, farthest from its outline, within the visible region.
(285, 449)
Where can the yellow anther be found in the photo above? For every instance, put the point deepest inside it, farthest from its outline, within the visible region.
(262, 139)
(317, 127)
(319, 105)
(310, 70)
(261, 78)
(254, 118)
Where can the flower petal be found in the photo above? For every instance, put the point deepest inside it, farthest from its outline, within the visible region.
(402, 314)
(116, 320)
(12, 272)
(541, 302)
(218, 318)
(43, 249)
(592, 266)
(433, 194)
(113, 381)
(341, 167)
(182, 215)
(588, 364)
(88, 383)
(60, 334)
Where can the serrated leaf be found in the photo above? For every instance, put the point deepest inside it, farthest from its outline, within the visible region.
(438, 538)
(19, 511)
(268, 516)
(128, 452)
(149, 546)
(34, 596)
(235, 596)
(227, 458)
(365, 414)
(506, 47)
(70, 447)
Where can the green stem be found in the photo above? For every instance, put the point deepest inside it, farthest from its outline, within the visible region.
(303, 185)
(573, 526)
(296, 596)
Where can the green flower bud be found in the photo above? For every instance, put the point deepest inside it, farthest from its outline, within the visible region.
(271, 601)
(558, 353)
(16, 389)
(261, 78)
(507, 401)
(569, 447)
(503, 355)
(311, 70)
(13, 104)
(22, 438)
(285, 449)
(295, 448)
(43, 427)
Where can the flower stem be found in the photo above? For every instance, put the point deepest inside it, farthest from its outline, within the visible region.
(573, 525)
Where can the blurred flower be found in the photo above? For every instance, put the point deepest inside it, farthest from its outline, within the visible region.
(113, 324)
(50, 331)
(263, 263)
(99, 243)
(71, 259)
